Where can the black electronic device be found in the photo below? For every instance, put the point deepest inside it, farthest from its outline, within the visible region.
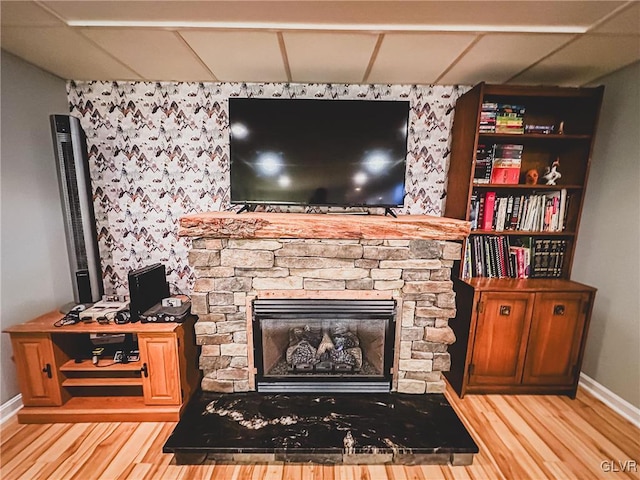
(73, 316)
(122, 317)
(147, 287)
(109, 344)
(318, 152)
(163, 314)
(72, 166)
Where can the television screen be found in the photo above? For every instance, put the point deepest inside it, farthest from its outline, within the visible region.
(318, 152)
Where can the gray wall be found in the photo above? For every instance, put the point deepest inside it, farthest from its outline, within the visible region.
(35, 275)
(608, 250)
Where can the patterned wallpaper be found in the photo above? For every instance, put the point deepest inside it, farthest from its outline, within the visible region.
(158, 151)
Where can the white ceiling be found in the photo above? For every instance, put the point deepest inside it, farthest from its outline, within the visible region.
(427, 42)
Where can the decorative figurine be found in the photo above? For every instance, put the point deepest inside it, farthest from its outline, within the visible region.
(349, 443)
(531, 177)
(551, 173)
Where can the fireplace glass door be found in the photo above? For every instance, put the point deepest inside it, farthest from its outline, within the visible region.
(323, 345)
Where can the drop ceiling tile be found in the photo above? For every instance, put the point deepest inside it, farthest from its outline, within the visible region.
(328, 57)
(416, 58)
(63, 52)
(587, 59)
(158, 54)
(495, 58)
(444, 12)
(17, 14)
(239, 56)
(627, 21)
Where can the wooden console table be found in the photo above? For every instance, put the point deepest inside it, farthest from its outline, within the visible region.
(60, 383)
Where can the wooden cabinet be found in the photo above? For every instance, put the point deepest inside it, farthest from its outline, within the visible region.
(60, 383)
(160, 372)
(557, 328)
(37, 373)
(524, 337)
(521, 323)
(503, 323)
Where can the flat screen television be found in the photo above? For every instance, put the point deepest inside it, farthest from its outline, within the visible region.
(318, 152)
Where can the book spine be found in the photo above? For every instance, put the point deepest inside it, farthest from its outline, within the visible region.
(489, 207)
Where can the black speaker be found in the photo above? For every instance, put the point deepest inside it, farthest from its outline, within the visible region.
(70, 149)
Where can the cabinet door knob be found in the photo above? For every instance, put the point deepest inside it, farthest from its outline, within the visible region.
(47, 370)
(144, 370)
(505, 310)
(558, 309)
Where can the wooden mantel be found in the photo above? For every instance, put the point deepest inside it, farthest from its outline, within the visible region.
(325, 226)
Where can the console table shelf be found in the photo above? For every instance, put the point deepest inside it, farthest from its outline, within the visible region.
(102, 382)
(60, 384)
(103, 366)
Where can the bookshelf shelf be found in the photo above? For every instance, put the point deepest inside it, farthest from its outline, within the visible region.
(515, 138)
(522, 233)
(532, 188)
(519, 254)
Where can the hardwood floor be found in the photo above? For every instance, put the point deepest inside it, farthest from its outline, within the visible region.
(520, 437)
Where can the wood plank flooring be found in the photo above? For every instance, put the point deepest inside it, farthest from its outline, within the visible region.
(520, 437)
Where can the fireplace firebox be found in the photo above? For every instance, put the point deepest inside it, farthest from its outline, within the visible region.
(311, 345)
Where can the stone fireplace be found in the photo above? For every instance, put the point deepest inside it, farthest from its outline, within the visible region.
(245, 263)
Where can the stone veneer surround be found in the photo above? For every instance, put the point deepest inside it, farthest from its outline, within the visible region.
(231, 272)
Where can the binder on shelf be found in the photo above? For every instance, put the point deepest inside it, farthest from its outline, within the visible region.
(489, 207)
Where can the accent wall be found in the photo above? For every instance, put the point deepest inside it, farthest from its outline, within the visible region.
(160, 150)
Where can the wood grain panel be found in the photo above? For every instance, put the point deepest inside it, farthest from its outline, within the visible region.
(554, 342)
(500, 338)
(292, 225)
(37, 371)
(161, 383)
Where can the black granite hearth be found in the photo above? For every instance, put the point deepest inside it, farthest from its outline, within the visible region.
(340, 428)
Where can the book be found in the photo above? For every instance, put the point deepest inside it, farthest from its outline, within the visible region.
(501, 213)
(484, 160)
(474, 210)
(467, 261)
(490, 256)
(507, 160)
(510, 119)
(489, 207)
(548, 256)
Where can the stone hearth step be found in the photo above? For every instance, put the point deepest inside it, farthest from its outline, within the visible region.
(341, 428)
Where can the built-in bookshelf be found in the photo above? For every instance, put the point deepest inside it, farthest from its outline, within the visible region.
(519, 166)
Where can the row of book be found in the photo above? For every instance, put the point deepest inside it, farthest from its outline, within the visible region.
(501, 118)
(544, 212)
(498, 163)
(492, 256)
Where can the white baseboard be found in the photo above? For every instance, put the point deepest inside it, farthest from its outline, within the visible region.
(610, 399)
(9, 408)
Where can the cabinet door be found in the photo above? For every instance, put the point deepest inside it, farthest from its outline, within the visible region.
(37, 371)
(500, 338)
(556, 336)
(160, 371)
